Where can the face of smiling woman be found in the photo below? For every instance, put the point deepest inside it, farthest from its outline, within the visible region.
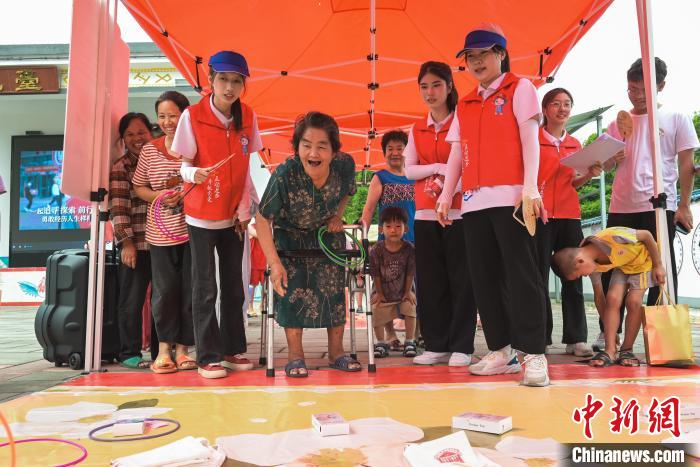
(316, 153)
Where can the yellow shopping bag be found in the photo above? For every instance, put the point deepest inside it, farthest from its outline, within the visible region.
(667, 338)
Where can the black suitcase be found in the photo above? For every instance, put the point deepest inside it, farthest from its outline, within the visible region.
(59, 324)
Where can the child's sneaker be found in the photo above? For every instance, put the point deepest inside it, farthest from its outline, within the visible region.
(497, 362)
(460, 359)
(579, 349)
(430, 358)
(536, 371)
(237, 363)
(212, 371)
(409, 349)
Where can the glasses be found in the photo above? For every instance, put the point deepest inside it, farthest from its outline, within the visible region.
(561, 105)
(479, 56)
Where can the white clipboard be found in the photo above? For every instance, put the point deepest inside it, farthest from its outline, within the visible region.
(601, 150)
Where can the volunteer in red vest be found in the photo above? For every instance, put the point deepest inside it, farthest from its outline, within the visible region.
(445, 296)
(558, 184)
(158, 174)
(215, 138)
(495, 151)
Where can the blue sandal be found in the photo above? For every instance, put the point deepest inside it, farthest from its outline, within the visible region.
(343, 364)
(381, 350)
(298, 364)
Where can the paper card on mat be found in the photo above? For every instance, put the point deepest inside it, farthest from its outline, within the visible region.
(448, 450)
(601, 150)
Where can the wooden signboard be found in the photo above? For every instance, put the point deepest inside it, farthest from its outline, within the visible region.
(28, 80)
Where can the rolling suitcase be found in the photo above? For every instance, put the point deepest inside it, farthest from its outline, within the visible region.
(59, 324)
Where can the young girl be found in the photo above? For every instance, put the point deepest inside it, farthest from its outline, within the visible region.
(449, 321)
(558, 184)
(158, 171)
(215, 138)
(128, 213)
(496, 153)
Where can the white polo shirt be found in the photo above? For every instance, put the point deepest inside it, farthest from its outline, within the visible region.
(633, 185)
(185, 144)
(526, 105)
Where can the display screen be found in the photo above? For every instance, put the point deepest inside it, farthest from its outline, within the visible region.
(43, 206)
(43, 219)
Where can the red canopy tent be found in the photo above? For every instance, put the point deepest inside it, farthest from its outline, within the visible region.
(357, 60)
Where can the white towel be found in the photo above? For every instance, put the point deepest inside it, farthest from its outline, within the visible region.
(187, 452)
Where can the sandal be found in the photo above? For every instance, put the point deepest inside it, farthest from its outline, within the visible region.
(381, 350)
(409, 349)
(185, 363)
(135, 363)
(343, 363)
(627, 358)
(601, 357)
(298, 364)
(420, 342)
(163, 365)
(395, 345)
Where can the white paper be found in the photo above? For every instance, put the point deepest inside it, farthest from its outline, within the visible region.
(452, 449)
(599, 150)
(189, 451)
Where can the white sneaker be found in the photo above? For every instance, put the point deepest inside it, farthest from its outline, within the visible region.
(599, 344)
(460, 359)
(430, 358)
(497, 362)
(212, 371)
(536, 372)
(579, 349)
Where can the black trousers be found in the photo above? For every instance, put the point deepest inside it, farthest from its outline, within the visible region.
(550, 238)
(172, 293)
(643, 221)
(444, 289)
(213, 339)
(133, 284)
(507, 285)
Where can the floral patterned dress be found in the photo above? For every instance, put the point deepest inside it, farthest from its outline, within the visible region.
(315, 295)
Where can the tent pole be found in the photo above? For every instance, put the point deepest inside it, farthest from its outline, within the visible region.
(646, 39)
(603, 206)
(373, 78)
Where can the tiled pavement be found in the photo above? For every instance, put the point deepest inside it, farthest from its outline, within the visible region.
(23, 370)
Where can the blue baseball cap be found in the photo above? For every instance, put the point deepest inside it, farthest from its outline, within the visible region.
(485, 36)
(229, 62)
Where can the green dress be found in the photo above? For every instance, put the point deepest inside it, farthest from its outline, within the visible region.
(315, 295)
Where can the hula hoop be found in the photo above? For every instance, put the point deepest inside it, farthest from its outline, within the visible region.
(8, 431)
(176, 427)
(352, 263)
(52, 440)
(157, 218)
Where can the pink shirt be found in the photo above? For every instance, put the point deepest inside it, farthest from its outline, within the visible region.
(634, 180)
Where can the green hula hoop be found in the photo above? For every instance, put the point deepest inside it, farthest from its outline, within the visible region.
(352, 263)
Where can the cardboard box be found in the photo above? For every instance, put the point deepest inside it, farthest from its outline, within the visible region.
(486, 423)
(129, 427)
(453, 449)
(330, 424)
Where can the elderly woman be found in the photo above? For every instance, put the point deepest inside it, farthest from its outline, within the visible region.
(308, 191)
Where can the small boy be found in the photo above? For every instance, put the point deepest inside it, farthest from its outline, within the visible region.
(634, 258)
(392, 265)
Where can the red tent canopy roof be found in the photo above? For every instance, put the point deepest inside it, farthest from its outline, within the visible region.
(321, 54)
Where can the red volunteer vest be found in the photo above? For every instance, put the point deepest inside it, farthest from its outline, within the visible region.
(490, 138)
(218, 197)
(431, 148)
(555, 180)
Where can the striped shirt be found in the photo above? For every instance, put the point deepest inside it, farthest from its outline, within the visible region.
(128, 211)
(159, 170)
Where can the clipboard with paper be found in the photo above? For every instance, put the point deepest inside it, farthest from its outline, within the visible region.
(601, 150)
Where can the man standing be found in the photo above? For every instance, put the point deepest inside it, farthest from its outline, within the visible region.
(630, 204)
